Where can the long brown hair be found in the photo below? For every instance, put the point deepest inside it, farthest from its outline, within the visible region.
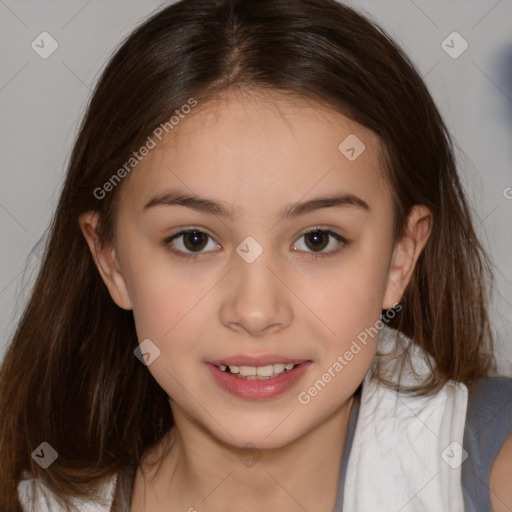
(70, 377)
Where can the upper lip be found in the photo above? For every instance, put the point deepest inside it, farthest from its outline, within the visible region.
(261, 360)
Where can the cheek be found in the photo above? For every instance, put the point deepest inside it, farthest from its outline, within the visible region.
(164, 292)
(171, 313)
(350, 308)
(166, 309)
(349, 297)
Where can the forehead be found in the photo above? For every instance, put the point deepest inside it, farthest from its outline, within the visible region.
(263, 148)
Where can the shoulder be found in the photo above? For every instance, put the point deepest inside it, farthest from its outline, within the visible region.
(30, 489)
(488, 429)
(500, 482)
(34, 493)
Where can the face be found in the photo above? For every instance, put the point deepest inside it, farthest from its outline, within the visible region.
(263, 282)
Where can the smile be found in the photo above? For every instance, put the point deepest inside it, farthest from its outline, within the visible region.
(258, 382)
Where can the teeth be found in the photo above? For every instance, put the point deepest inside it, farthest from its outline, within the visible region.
(271, 370)
(247, 370)
(265, 371)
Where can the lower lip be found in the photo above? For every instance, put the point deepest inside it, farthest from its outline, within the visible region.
(258, 389)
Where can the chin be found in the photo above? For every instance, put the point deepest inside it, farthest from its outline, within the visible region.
(268, 436)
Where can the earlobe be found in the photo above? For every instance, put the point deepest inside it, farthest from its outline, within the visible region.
(406, 253)
(104, 257)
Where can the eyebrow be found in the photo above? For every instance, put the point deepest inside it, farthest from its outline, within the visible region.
(220, 208)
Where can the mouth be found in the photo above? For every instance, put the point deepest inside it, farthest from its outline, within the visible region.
(258, 378)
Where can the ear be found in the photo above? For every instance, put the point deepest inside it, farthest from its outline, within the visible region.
(106, 260)
(406, 253)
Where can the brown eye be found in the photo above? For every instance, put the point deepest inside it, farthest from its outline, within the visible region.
(189, 243)
(317, 240)
(195, 240)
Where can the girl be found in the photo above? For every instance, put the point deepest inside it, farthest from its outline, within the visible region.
(191, 345)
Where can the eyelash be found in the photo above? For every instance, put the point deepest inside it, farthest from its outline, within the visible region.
(167, 243)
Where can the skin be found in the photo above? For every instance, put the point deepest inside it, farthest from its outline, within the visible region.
(501, 479)
(257, 153)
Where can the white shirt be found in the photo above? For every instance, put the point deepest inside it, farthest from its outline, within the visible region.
(46, 500)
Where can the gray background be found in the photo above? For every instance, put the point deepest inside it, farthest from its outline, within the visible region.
(42, 101)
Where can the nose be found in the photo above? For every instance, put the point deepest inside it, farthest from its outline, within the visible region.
(257, 300)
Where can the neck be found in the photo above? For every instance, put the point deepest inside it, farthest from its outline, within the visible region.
(199, 472)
